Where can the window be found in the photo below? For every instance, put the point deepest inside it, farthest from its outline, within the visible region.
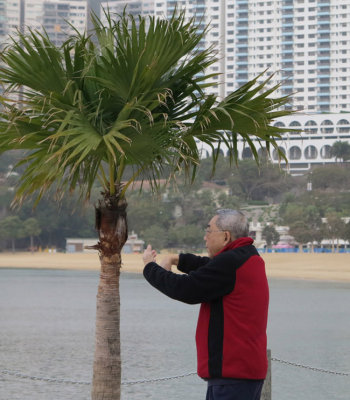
(326, 152)
(327, 126)
(294, 153)
(343, 126)
(275, 154)
(311, 126)
(310, 152)
(247, 153)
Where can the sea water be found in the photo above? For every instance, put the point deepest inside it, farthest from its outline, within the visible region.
(47, 321)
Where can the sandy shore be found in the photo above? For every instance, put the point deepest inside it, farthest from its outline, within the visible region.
(329, 267)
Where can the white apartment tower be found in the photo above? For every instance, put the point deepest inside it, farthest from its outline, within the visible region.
(133, 7)
(305, 42)
(55, 16)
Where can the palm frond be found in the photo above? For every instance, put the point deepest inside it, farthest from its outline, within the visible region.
(136, 97)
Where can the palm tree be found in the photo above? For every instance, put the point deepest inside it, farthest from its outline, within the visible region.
(134, 99)
(341, 151)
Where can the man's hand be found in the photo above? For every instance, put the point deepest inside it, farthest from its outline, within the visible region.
(168, 261)
(149, 255)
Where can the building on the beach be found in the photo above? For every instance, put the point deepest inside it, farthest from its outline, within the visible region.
(305, 149)
(133, 244)
(78, 245)
(285, 241)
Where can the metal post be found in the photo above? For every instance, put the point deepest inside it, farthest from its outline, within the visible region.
(266, 392)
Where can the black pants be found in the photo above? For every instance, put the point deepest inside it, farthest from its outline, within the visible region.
(234, 389)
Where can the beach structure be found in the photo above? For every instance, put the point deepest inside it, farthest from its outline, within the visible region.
(306, 148)
(79, 245)
(286, 240)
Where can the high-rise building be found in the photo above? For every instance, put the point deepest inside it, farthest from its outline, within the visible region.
(133, 7)
(305, 41)
(3, 21)
(58, 18)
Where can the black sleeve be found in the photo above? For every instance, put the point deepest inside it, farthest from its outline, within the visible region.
(213, 280)
(190, 262)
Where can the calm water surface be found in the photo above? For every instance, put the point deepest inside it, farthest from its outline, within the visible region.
(47, 329)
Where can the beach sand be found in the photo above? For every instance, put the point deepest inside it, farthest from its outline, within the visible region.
(327, 267)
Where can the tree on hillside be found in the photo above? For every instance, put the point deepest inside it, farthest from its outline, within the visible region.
(60, 221)
(187, 236)
(290, 212)
(223, 170)
(258, 182)
(11, 228)
(341, 151)
(334, 228)
(136, 98)
(301, 232)
(330, 177)
(347, 232)
(270, 235)
(304, 221)
(228, 201)
(193, 206)
(312, 217)
(31, 228)
(157, 235)
(147, 210)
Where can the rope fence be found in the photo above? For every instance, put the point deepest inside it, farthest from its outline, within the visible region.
(71, 382)
(325, 371)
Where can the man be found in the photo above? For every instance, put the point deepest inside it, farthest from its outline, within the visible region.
(232, 288)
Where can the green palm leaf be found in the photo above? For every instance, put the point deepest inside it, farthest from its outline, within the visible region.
(135, 98)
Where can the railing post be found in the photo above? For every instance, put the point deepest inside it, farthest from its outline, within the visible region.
(266, 392)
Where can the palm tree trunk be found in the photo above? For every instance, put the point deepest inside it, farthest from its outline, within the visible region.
(107, 362)
(112, 227)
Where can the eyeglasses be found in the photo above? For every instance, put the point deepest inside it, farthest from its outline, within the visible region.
(208, 231)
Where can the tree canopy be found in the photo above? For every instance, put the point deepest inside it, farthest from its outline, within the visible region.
(135, 98)
(341, 150)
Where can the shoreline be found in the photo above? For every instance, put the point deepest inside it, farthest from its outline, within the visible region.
(332, 267)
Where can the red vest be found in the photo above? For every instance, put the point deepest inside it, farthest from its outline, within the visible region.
(231, 332)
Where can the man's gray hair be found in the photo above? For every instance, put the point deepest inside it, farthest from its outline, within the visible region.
(233, 221)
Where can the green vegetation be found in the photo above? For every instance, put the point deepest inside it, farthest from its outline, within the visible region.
(341, 151)
(270, 234)
(175, 218)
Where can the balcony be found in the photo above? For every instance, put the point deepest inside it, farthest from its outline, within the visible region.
(287, 29)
